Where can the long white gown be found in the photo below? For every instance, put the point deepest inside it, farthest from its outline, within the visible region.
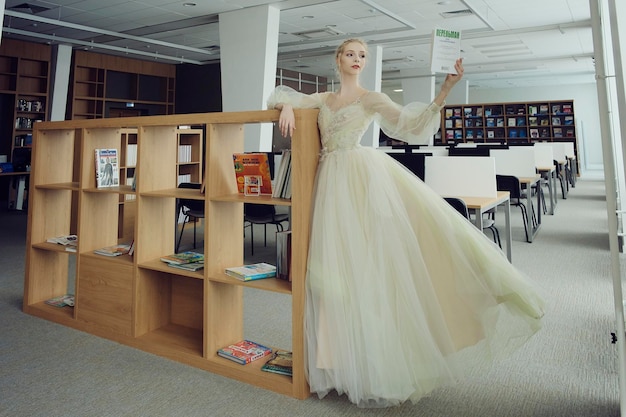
(403, 293)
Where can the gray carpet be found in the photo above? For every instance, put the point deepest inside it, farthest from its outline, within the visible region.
(568, 369)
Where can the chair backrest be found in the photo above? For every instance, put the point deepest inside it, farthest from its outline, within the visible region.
(461, 176)
(469, 151)
(194, 205)
(459, 205)
(518, 161)
(509, 183)
(259, 212)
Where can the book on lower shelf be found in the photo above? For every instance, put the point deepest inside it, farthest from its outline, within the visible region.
(280, 362)
(66, 300)
(252, 164)
(193, 266)
(244, 351)
(69, 241)
(114, 250)
(107, 168)
(183, 258)
(283, 255)
(252, 272)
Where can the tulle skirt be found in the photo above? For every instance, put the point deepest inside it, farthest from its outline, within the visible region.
(400, 286)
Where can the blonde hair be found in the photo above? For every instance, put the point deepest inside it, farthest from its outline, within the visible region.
(342, 47)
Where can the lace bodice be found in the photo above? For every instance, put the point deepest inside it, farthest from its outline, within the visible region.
(343, 128)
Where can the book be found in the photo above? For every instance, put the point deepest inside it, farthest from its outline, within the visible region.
(69, 241)
(244, 351)
(61, 301)
(193, 266)
(252, 271)
(445, 49)
(107, 168)
(183, 258)
(252, 164)
(114, 250)
(283, 255)
(280, 362)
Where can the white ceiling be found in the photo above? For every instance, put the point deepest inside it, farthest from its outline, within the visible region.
(506, 43)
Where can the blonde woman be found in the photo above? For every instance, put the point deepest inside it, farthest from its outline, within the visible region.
(402, 293)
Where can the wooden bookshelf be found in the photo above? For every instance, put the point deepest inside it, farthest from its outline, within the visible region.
(24, 87)
(181, 315)
(109, 86)
(510, 122)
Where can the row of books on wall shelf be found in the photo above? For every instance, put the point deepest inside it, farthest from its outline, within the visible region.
(131, 155)
(69, 241)
(283, 176)
(538, 121)
(26, 122)
(117, 250)
(24, 140)
(247, 351)
(189, 260)
(30, 105)
(184, 153)
(107, 168)
(66, 300)
(252, 173)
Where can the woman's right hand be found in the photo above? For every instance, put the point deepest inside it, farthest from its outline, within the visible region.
(287, 120)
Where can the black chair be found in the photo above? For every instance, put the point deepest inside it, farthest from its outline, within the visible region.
(415, 162)
(262, 214)
(511, 184)
(190, 210)
(488, 223)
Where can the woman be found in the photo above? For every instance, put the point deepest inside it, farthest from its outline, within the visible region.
(402, 293)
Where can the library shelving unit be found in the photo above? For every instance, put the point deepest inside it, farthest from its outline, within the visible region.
(138, 300)
(24, 88)
(510, 122)
(106, 86)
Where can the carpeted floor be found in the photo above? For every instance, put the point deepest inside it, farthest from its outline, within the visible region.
(569, 369)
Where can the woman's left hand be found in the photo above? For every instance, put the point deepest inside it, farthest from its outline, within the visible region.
(452, 79)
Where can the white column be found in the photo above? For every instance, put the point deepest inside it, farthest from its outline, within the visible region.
(371, 79)
(248, 56)
(59, 81)
(419, 88)
(459, 94)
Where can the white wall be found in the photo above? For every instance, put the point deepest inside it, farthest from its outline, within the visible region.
(585, 110)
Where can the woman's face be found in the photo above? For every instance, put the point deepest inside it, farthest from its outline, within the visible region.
(352, 58)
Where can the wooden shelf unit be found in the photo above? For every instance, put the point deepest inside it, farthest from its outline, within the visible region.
(510, 122)
(181, 315)
(109, 86)
(24, 87)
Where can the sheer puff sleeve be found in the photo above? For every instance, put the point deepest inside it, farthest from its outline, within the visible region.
(287, 95)
(414, 123)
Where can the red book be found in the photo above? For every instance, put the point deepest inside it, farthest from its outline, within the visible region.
(256, 167)
(244, 352)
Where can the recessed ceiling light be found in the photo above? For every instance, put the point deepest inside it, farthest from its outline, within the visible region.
(308, 17)
(444, 3)
(189, 4)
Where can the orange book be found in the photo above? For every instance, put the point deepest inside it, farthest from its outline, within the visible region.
(252, 172)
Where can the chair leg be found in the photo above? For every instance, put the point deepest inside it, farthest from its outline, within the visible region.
(524, 218)
(182, 229)
(252, 239)
(195, 223)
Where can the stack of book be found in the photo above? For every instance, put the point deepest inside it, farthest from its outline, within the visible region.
(281, 362)
(244, 351)
(282, 181)
(252, 272)
(114, 250)
(190, 261)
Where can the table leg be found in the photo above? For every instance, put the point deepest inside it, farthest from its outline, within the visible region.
(507, 227)
(529, 212)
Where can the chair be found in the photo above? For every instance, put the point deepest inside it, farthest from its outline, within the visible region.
(511, 184)
(488, 223)
(262, 214)
(189, 209)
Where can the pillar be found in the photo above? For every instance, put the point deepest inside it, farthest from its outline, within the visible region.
(371, 79)
(248, 55)
(59, 81)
